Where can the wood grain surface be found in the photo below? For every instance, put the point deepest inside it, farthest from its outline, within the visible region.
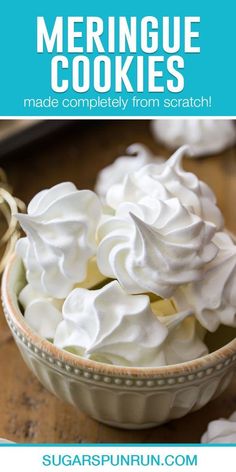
(28, 413)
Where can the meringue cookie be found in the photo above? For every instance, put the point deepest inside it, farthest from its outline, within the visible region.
(185, 340)
(107, 325)
(205, 136)
(213, 299)
(61, 227)
(154, 246)
(221, 431)
(6, 441)
(168, 180)
(43, 314)
(110, 326)
(137, 156)
(185, 334)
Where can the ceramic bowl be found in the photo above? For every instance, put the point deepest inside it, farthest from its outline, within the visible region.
(124, 397)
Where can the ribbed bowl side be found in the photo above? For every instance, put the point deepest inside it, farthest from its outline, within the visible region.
(126, 407)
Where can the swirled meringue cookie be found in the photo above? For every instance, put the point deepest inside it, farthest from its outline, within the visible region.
(154, 246)
(110, 326)
(61, 228)
(107, 325)
(221, 431)
(205, 136)
(43, 314)
(213, 299)
(168, 180)
(137, 156)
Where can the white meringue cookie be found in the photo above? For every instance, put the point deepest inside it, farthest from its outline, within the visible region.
(34, 271)
(185, 334)
(154, 246)
(185, 338)
(110, 326)
(213, 299)
(107, 325)
(61, 228)
(168, 180)
(6, 441)
(221, 431)
(205, 136)
(137, 156)
(43, 314)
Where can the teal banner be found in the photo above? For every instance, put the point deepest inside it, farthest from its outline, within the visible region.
(117, 58)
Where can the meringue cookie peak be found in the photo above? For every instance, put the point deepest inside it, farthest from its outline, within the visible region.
(221, 431)
(61, 238)
(213, 299)
(43, 314)
(154, 246)
(205, 136)
(110, 326)
(168, 180)
(137, 156)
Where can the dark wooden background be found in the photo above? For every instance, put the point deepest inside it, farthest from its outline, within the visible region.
(28, 413)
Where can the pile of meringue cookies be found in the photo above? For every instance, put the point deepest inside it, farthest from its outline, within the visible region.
(134, 273)
(145, 262)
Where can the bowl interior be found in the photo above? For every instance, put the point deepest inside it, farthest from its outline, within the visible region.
(214, 341)
(219, 338)
(222, 344)
(223, 335)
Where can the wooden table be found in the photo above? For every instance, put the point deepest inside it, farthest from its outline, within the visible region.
(28, 413)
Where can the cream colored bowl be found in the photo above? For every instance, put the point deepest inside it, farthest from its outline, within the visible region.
(119, 396)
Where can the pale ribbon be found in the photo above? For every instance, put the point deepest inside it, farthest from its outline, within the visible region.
(9, 206)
